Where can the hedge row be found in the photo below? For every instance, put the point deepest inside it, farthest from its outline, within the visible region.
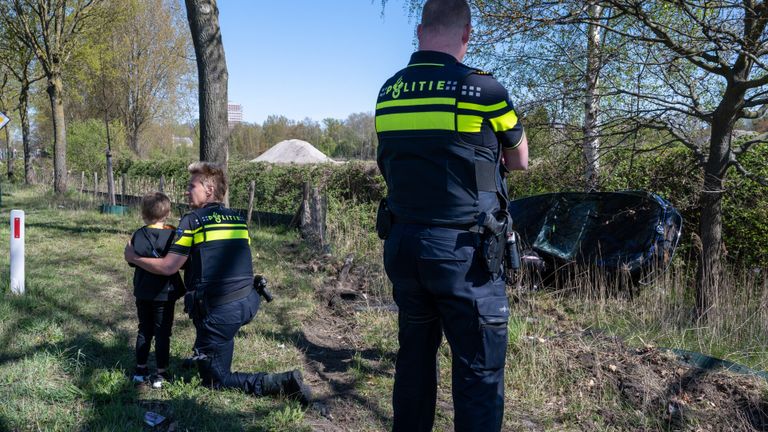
(671, 174)
(279, 187)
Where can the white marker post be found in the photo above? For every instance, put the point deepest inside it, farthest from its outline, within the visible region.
(17, 251)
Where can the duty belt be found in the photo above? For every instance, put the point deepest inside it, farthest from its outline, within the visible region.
(471, 227)
(227, 298)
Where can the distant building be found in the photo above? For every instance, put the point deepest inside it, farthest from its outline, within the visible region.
(182, 141)
(234, 113)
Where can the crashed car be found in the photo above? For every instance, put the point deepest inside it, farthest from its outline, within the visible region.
(630, 232)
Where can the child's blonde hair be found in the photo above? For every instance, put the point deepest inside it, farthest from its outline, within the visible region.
(155, 207)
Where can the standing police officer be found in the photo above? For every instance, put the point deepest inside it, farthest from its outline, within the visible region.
(447, 136)
(213, 241)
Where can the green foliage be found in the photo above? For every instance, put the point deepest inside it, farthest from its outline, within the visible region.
(87, 145)
(355, 187)
(555, 174)
(279, 187)
(176, 168)
(745, 222)
(357, 181)
(673, 174)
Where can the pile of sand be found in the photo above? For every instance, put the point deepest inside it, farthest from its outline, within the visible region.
(293, 151)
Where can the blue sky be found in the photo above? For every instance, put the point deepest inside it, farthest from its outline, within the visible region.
(312, 58)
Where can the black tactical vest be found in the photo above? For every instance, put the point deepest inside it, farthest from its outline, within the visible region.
(220, 256)
(432, 175)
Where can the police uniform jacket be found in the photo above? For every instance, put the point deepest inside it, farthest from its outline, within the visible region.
(155, 241)
(216, 241)
(441, 127)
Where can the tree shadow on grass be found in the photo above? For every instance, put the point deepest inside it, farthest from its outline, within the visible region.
(92, 227)
(95, 366)
(330, 363)
(4, 424)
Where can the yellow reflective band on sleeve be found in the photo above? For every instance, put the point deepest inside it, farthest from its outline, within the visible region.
(482, 108)
(469, 123)
(426, 64)
(504, 122)
(415, 121)
(416, 102)
(222, 235)
(185, 241)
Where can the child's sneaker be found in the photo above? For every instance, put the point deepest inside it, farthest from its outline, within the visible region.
(159, 379)
(140, 375)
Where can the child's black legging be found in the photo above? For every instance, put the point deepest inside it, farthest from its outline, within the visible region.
(155, 320)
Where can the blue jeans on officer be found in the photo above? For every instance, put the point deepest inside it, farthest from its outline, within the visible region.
(441, 286)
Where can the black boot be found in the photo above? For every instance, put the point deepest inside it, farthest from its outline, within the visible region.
(289, 384)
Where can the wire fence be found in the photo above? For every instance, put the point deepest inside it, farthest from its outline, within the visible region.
(93, 188)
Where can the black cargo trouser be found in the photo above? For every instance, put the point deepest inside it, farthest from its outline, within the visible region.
(215, 345)
(440, 285)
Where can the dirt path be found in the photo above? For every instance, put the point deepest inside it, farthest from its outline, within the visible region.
(330, 342)
(646, 384)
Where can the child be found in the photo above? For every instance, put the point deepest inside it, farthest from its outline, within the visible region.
(156, 295)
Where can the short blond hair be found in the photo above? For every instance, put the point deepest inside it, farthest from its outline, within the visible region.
(212, 174)
(155, 207)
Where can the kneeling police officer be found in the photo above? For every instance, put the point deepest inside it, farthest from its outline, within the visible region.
(212, 243)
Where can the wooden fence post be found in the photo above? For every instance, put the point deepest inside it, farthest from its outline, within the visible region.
(82, 181)
(122, 189)
(161, 186)
(95, 184)
(251, 191)
(312, 219)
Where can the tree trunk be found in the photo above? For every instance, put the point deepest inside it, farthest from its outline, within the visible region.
(591, 144)
(9, 153)
(110, 180)
(133, 140)
(110, 174)
(709, 273)
(24, 119)
(203, 17)
(55, 93)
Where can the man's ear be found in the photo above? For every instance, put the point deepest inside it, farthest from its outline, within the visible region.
(208, 189)
(465, 34)
(419, 32)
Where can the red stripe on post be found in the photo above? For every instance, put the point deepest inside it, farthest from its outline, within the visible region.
(16, 227)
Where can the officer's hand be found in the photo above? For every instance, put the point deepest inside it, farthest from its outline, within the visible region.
(129, 254)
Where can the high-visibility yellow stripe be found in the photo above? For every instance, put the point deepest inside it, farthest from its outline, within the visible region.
(416, 102)
(185, 241)
(431, 120)
(482, 108)
(221, 235)
(469, 123)
(504, 122)
(192, 231)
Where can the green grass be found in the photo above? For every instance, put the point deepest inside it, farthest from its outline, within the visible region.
(67, 343)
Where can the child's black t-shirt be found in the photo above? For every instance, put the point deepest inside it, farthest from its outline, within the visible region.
(154, 241)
